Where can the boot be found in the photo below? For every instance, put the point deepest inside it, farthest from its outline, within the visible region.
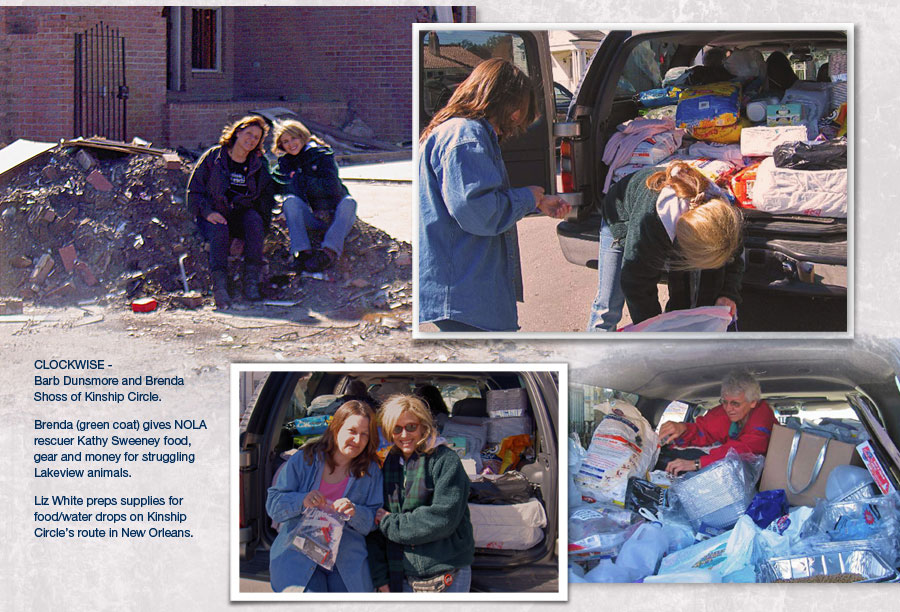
(251, 282)
(220, 289)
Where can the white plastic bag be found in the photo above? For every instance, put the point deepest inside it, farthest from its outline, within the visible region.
(702, 319)
(623, 445)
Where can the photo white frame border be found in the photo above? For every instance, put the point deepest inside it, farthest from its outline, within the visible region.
(562, 423)
(849, 28)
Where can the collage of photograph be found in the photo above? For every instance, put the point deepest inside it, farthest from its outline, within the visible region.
(383, 246)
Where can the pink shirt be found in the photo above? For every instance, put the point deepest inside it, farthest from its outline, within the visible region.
(333, 492)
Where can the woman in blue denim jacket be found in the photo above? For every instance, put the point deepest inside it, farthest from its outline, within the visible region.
(337, 471)
(469, 272)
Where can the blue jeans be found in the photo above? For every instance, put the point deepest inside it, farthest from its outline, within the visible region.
(300, 218)
(461, 583)
(325, 581)
(606, 311)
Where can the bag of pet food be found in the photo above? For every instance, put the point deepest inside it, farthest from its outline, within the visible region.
(706, 106)
(623, 445)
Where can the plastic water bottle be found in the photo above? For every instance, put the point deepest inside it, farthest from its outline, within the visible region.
(643, 550)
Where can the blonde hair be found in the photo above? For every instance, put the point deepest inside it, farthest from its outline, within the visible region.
(230, 131)
(494, 91)
(391, 411)
(708, 234)
(292, 127)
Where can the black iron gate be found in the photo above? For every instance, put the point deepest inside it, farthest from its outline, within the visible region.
(101, 93)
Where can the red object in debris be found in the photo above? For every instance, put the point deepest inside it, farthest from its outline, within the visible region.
(144, 305)
(87, 276)
(99, 181)
(68, 256)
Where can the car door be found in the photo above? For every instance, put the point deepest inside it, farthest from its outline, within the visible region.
(447, 56)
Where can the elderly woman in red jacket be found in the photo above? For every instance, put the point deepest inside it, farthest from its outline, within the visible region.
(741, 421)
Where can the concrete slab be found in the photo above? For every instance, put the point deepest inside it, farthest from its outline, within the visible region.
(387, 206)
(401, 171)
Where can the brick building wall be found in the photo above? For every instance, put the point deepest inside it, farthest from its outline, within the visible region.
(38, 41)
(358, 56)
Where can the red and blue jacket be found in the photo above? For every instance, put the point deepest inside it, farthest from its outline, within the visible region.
(712, 428)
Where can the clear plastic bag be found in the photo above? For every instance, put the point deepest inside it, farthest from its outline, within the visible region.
(598, 531)
(875, 520)
(318, 535)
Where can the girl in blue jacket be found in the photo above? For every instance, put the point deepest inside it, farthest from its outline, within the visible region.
(336, 471)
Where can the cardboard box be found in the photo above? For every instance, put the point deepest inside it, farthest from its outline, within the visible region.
(784, 114)
(774, 474)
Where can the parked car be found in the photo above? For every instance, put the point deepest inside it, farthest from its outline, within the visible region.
(267, 437)
(786, 254)
(816, 383)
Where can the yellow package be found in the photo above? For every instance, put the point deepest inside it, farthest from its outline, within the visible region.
(706, 106)
(728, 134)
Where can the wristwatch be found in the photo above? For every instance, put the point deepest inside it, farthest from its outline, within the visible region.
(696, 464)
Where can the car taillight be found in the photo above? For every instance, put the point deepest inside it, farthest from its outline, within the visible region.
(566, 166)
(241, 502)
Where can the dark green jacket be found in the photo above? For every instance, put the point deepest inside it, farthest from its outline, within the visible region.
(313, 176)
(630, 210)
(437, 536)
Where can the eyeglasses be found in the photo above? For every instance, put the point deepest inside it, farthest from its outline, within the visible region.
(730, 403)
(410, 427)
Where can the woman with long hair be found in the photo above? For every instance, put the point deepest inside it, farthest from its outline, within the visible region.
(469, 272)
(424, 541)
(673, 219)
(337, 471)
(230, 194)
(315, 196)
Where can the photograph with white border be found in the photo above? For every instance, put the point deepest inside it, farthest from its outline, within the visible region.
(494, 503)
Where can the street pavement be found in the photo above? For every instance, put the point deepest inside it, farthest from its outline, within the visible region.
(383, 193)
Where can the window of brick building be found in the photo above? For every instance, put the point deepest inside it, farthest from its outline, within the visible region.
(206, 28)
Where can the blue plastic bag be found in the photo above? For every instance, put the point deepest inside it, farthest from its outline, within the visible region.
(767, 506)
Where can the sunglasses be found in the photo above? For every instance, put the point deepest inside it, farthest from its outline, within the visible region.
(410, 427)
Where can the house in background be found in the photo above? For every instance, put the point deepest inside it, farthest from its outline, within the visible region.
(571, 51)
(176, 75)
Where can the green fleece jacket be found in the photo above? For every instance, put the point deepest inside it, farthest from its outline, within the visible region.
(630, 210)
(437, 536)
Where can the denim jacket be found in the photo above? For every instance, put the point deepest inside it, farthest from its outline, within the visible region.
(469, 268)
(290, 567)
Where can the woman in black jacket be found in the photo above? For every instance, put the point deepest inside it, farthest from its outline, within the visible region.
(230, 193)
(316, 199)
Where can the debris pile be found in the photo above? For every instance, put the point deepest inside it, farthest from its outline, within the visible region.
(81, 223)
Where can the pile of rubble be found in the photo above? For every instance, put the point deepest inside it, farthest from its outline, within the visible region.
(81, 223)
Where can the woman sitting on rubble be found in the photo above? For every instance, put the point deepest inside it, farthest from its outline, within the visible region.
(337, 472)
(230, 193)
(424, 541)
(470, 277)
(315, 197)
(742, 421)
(676, 220)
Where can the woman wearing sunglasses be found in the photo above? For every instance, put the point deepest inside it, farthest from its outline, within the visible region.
(742, 421)
(424, 540)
